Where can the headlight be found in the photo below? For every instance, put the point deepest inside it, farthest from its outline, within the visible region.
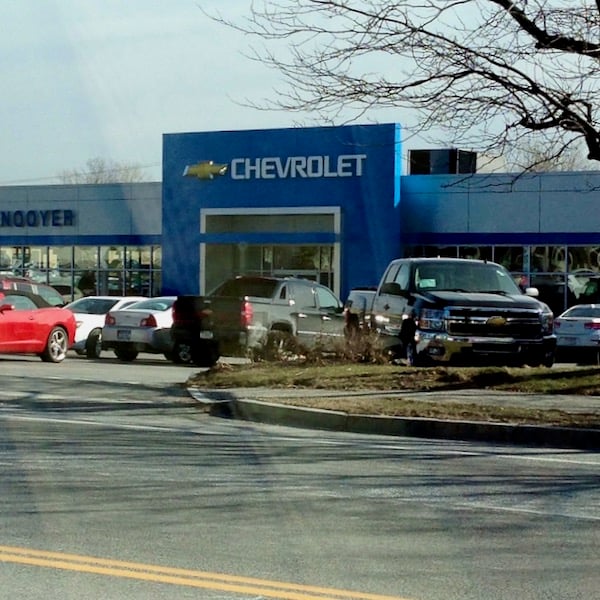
(547, 319)
(432, 320)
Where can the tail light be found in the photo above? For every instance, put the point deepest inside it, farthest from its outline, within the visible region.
(246, 314)
(148, 321)
(594, 325)
(109, 319)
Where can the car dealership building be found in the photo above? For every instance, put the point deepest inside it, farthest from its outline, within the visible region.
(333, 204)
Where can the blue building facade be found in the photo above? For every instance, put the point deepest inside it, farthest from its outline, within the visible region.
(326, 203)
(320, 202)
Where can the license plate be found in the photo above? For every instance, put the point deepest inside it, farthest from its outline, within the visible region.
(123, 335)
(567, 341)
(206, 335)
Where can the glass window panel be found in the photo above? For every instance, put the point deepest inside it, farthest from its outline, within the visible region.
(584, 258)
(303, 296)
(156, 289)
(35, 263)
(511, 257)
(85, 257)
(433, 251)
(326, 299)
(138, 257)
(85, 282)
(111, 257)
(547, 259)
(477, 252)
(6, 259)
(226, 260)
(553, 291)
(110, 283)
(156, 257)
(296, 257)
(138, 283)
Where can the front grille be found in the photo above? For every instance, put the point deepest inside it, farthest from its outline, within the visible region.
(497, 323)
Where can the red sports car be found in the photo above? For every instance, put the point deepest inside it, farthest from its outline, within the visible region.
(29, 325)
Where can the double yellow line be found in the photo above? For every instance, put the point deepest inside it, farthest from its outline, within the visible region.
(181, 577)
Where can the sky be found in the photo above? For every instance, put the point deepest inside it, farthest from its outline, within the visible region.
(84, 79)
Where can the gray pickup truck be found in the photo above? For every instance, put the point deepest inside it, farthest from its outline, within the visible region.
(256, 317)
(443, 310)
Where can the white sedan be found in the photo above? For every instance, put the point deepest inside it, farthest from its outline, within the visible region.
(142, 327)
(578, 329)
(90, 313)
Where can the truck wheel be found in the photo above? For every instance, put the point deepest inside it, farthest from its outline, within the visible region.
(182, 354)
(205, 355)
(93, 344)
(126, 353)
(548, 360)
(277, 345)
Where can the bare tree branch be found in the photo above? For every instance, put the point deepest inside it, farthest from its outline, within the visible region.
(99, 170)
(482, 74)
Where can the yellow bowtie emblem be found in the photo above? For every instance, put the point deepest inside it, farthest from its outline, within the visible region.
(205, 169)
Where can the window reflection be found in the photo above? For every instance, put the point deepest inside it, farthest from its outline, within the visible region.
(77, 271)
(315, 262)
(564, 275)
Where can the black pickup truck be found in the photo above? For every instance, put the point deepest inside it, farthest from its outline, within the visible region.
(445, 310)
(256, 316)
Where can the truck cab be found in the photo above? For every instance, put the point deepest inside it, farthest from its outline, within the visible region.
(442, 310)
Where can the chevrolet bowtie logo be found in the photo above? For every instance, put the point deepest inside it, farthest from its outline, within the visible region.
(496, 321)
(205, 169)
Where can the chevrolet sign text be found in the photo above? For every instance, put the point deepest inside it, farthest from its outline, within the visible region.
(345, 165)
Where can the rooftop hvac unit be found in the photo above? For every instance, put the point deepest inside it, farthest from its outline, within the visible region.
(442, 162)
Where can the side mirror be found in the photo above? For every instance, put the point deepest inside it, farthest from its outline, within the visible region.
(532, 291)
(391, 288)
(6, 307)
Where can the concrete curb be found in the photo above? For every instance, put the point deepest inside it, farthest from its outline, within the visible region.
(228, 405)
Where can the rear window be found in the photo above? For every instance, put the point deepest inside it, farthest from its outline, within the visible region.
(48, 293)
(586, 312)
(92, 306)
(237, 288)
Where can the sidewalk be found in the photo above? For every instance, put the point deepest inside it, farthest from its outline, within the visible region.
(267, 405)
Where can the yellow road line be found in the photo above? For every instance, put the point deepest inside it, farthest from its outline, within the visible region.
(183, 577)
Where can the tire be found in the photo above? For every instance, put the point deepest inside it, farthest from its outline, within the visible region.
(93, 344)
(412, 357)
(205, 355)
(57, 345)
(182, 354)
(126, 353)
(277, 345)
(548, 360)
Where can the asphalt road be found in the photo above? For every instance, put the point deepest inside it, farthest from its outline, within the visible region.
(114, 485)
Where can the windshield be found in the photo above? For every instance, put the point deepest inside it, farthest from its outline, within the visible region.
(464, 277)
(159, 303)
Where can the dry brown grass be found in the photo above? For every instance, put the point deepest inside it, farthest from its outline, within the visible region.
(375, 379)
